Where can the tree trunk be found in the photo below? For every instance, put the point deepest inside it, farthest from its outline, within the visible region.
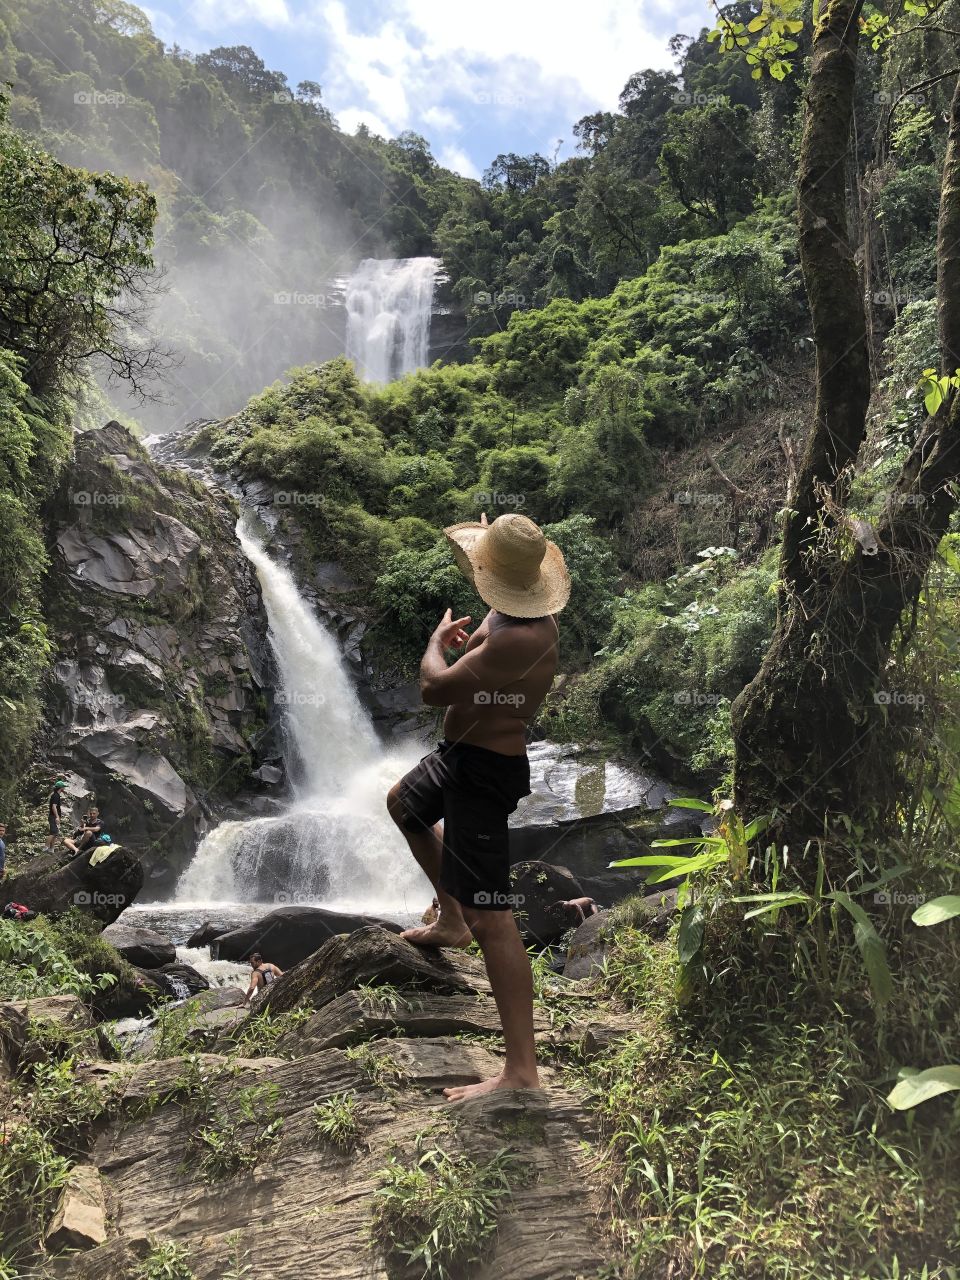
(815, 731)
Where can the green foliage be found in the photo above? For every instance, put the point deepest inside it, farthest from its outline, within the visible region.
(230, 1131)
(36, 960)
(439, 1213)
(166, 1260)
(336, 1120)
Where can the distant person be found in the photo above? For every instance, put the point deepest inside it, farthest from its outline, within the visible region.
(3, 849)
(263, 974)
(86, 835)
(579, 909)
(55, 813)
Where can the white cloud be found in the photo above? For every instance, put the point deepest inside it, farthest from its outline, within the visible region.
(350, 117)
(213, 15)
(456, 158)
(440, 118)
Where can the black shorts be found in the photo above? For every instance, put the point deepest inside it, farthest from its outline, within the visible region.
(54, 825)
(473, 790)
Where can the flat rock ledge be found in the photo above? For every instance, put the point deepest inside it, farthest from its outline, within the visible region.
(307, 1207)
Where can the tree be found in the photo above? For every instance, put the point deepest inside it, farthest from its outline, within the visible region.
(709, 163)
(813, 733)
(75, 264)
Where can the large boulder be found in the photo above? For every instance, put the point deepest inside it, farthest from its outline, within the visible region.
(290, 934)
(161, 699)
(143, 947)
(103, 890)
(537, 889)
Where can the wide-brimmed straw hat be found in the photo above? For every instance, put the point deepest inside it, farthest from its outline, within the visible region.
(514, 568)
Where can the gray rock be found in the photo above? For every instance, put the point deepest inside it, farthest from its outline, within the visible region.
(103, 891)
(290, 934)
(538, 888)
(142, 947)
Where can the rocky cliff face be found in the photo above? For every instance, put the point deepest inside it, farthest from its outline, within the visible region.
(159, 701)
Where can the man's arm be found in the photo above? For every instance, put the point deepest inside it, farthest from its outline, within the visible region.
(492, 664)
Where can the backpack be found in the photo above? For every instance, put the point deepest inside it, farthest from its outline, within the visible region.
(17, 911)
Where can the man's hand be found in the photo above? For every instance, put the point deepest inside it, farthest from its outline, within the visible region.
(450, 633)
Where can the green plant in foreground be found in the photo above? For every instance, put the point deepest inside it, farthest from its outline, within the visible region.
(381, 1069)
(166, 1260)
(337, 1122)
(440, 1212)
(914, 1086)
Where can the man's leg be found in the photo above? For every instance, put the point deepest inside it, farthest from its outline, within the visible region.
(508, 967)
(426, 844)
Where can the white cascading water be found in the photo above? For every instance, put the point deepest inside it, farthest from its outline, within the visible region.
(389, 302)
(335, 844)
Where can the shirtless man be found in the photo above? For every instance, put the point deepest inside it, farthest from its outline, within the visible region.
(479, 772)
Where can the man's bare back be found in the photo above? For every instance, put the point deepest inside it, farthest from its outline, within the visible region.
(522, 657)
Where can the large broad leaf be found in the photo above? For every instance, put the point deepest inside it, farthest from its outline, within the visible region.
(686, 802)
(690, 866)
(690, 935)
(937, 910)
(871, 947)
(705, 840)
(651, 860)
(922, 1086)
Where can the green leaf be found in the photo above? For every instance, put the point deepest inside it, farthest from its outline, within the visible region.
(650, 860)
(937, 910)
(716, 841)
(690, 935)
(871, 947)
(687, 802)
(923, 1086)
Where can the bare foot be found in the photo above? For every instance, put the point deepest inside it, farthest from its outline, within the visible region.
(451, 933)
(502, 1081)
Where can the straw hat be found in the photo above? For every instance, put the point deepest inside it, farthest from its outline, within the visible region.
(514, 568)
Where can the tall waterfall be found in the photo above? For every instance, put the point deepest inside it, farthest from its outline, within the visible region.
(389, 301)
(334, 845)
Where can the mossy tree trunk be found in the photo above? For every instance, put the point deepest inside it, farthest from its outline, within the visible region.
(815, 733)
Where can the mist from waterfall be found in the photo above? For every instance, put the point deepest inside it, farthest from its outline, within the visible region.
(389, 303)
(334, 845)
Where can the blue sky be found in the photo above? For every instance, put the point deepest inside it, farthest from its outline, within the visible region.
(475, 79)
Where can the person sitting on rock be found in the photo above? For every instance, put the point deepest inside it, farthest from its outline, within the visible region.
(55, 812)
(579, 909)
(86, 835)
(263, 974)
(3, 849)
